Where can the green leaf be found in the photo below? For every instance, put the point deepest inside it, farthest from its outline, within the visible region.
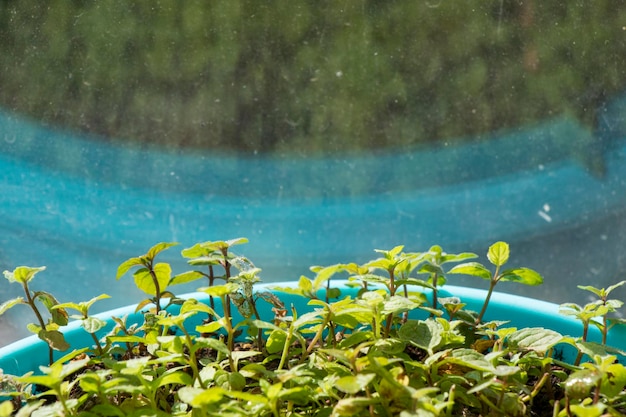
(591, 349)
(498, 253)
(470, 358)
(614, 380)
(351, 384)
(82, 307)
(614, 286)
(597, 291)
(211, 327)
(145, 281)
(236, 241)
(354, 406)
(535, 338)
(194, 305)
(54, 339)
(212, 343)
(220, 290)
(588, 410)
(199, 398)
(425, 334)
(457, 257)
(142, 304)
(59, 315)
(392, 253)
(6, 409)
(178, 378)
(212, 250)
(159, 247)
(276, 341)
(186, 277)
(93, 324)
(472, 268)
(431, 268)
(398, 304)
(524, 276)
(22, 274)
(11, 303)
(126, 265)
(196, 251)
(324, 274)
(305, 286)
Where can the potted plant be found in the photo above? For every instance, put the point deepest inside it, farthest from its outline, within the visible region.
(389, 337)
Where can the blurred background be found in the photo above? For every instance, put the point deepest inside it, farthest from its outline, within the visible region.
(320, 130)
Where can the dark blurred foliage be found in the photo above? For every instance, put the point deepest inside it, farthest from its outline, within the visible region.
(307, 75)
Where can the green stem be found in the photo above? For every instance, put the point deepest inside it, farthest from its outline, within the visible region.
(255, 312)
(492, 285)
(579, 357)
(283, 357)
(211, 281)
(42, 323)
(451, 398)
(392, 292)
(228, 324)
(97, 342)
(435, 279)
(192, 358)
(388, 323)
(157, 288)
(317, 337)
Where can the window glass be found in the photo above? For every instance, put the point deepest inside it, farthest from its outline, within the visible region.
(319, 130)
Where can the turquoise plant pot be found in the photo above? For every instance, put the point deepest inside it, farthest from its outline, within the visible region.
(28, 354)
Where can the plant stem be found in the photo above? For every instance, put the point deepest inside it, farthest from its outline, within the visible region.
(97, 342)
(317, 336)
(211, 281)
(42, 323)
(228, 324)
(192, 358)
(392, 292)
(157, 288)
(283, 357)
(579, 357)
(435, 279)
(492, 285)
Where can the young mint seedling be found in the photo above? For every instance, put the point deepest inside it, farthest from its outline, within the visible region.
(151, 278)
(46, 331)
(498, 255)
(89, 323)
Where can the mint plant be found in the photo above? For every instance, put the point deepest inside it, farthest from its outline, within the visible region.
(89, 323)
(498, 255)
(385, 350)
(151, 278)
(48, 331)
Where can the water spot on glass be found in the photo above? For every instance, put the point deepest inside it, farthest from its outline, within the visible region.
(545, 216)
(339, 74)
(10, 139)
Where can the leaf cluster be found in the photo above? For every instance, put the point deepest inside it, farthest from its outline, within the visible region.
(383, 345)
